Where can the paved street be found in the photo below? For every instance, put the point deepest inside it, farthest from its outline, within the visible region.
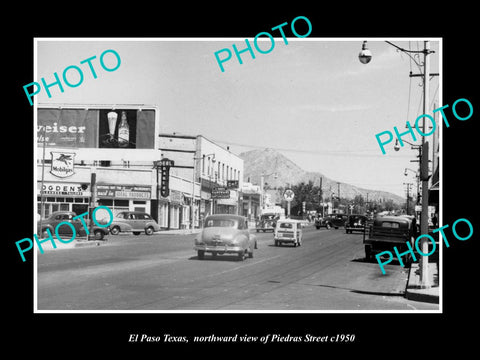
(162, 272)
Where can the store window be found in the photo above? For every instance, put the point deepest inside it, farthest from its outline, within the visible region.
(52, 204)
(116, 206)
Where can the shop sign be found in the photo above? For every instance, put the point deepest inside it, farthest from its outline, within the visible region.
(220, 193)
(232, 184)
(62, 164)
(124, 191)
(75, 189)
(176, 197)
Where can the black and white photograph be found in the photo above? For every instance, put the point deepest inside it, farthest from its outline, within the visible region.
(287, 185)
(300, 178)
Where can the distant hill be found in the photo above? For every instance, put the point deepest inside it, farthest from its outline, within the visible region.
(268, 161)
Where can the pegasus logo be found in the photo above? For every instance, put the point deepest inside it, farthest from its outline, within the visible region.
(64, 158)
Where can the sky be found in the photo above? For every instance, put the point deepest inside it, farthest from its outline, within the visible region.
(310, 99)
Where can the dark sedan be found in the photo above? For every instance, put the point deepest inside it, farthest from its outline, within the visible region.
(332, 220)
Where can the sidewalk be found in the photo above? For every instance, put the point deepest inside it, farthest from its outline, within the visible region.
(415, 292)
(178, 232)
(79, 242)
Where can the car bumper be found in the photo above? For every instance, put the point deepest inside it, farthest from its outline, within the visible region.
(285, 239)
(219, 248)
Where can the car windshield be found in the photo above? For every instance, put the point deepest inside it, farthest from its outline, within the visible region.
(221, 223)
(286, 225)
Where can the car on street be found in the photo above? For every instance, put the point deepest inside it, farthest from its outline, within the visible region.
(135, 222)
(225, 234)
(356, 222)
(57, 217)
(387, 232)
(332, 220)
(288, 232)
(266, 222)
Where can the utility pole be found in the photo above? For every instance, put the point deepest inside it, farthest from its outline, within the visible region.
(320, 194)
(424, 276)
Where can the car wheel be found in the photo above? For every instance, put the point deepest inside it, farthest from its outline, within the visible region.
(241, 255)
(318, 227)
(136, 233)
(149, 230)
(115, 230)
(250, 254)
(257, 230)
(368, 252)
(276, 242)
(201, 254)
(98, 234)
(44, 233)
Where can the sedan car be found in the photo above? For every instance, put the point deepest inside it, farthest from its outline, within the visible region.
(225, 234)
(58, 217)
(133, 221)
(332, 220)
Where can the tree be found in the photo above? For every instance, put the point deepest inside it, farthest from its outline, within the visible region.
(305, 192)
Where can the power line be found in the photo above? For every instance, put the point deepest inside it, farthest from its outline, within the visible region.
(357, 153)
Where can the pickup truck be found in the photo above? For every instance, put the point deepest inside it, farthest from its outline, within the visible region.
(67, 216)
(389, 231)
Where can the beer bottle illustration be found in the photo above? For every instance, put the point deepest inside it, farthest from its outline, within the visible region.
(123, 131)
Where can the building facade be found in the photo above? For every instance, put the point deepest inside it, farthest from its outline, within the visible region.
(93, 155)
(208, 165)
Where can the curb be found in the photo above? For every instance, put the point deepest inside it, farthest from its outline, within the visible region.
(85, 243)
(71, 245)
(415, 292)
(178, 232)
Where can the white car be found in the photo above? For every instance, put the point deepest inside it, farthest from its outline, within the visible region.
(288, 232)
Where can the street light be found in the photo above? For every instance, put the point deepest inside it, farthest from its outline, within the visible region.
(364, 58)
(365, 55)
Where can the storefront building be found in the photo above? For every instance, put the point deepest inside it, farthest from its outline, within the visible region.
(107, 155)
(211, 166)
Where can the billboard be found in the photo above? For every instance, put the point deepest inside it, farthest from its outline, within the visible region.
(96, 128)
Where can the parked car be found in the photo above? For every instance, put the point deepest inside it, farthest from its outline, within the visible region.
(332, 220)
(57, 217)
(225, 234)
(133, 221)
(356, 223)
(389, 231)
(266, 222)
(288, 232)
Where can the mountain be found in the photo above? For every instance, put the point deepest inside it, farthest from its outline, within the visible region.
(280, 171)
